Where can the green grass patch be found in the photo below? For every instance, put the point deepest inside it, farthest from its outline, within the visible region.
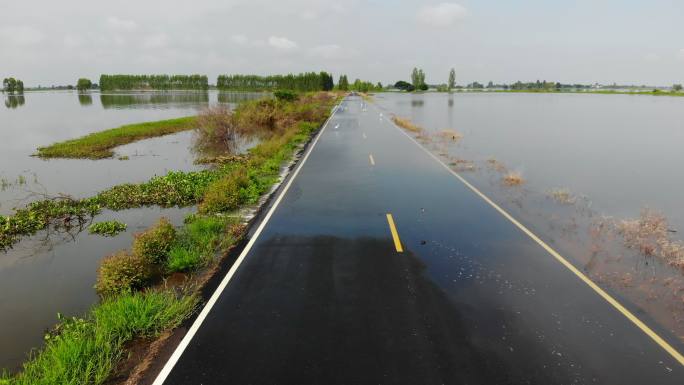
(198, 241)
(107, 228)
(85, 350)
(99, 145)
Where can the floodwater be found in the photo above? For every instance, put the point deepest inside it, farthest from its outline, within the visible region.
(55, 272)
(615, 155)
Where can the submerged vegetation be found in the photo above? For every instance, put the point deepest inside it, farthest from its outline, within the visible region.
(407, 124)
(650, 235)
(153, 82)
(107, 228)
(99, 145)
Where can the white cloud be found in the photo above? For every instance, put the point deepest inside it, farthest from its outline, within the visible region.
(239, 39)
(442, 15)
(121, 24)
(73, 41)
(282, 43)
(309, 15)
(21, 35)
(652, 57)
(158, 40)
(680, 54)
(328, 51)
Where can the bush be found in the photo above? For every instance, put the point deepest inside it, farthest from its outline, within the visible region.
(286, 95)
(216, 130)
(154, 244)
(122, 272)
(226, 194)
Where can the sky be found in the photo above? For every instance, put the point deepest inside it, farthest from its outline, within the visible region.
(583, 41)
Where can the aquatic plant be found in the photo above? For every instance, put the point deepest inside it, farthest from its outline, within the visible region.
(107, 228)
(99, 145)
(122, 272)
(61, 212)
(86, 350)
(153, 244)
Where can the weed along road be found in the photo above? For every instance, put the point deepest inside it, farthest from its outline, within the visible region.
(377, 265)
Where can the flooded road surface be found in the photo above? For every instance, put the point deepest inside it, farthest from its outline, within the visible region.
(623, 152)
(615, 156)
(327, 293)
(49, 273)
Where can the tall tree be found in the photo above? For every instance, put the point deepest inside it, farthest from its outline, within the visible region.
(452, 80)
(415, 78)
(84, 84)
(343, 84)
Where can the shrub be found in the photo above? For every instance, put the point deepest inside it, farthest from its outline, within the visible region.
(226, 194)
(154, 244)
(216, 130)
(122, 272)
(285, 95)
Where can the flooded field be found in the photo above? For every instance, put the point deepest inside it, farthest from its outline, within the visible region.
(597, 176)
(55, 272)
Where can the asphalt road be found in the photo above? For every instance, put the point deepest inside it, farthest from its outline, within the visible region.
(323, 296)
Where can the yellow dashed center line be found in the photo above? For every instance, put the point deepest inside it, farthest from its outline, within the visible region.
(372, 161)
(395, 235)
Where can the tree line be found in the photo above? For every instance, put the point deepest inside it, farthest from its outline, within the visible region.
(12, 85)
(153, 82)
(308, 81)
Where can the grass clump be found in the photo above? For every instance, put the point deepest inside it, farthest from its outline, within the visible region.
(226, 194)
(562, 195)
(99, 145)
(85, 350)
(407, 124)
(107, 228)
(650, 235)
(513, 178)
(154, 244)
(198, 241)
(122, 272)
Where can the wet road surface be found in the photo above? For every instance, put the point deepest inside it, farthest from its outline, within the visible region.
(323, 296)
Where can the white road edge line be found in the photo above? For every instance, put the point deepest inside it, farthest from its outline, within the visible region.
(168, 367)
